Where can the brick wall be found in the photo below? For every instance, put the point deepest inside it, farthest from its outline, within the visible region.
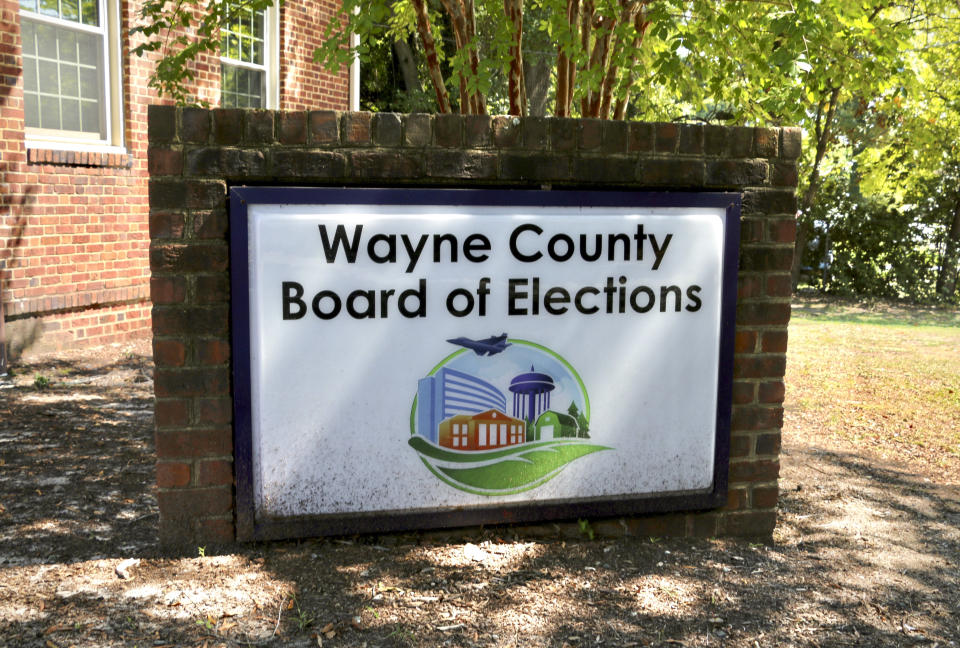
(302, 86)
(196, 154)
(74, 236)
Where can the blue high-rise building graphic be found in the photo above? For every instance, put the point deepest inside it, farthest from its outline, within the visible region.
(450, 392)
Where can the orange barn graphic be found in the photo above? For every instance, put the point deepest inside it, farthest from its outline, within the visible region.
(487, 430)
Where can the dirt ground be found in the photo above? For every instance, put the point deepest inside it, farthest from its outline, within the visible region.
(866, 553)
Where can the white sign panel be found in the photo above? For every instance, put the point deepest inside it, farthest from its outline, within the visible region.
(402, 353)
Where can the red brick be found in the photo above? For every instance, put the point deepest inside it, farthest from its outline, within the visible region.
(170, 412)
(172, 475)
(210, 225)
(212, 289)
(765, 497)
(212, 351)
(745, 342)
(673, 524)
(768, 444)
(214, 411)
(168, 290)
(771, 392)
(782, 231)
(779, 286)
(164, 161)
(747, 418)
(169, 353)
(190, 320)
(750, 523)
(216, 472)
(740, 446)
(166, 225)
(763, 313)
(736, 499)
(193, 503)
(754, 471)
(702, 525)
(192, 381)
(749, 286)
(215, 530)
(213, 442)
(774, 342)
(771, 366)
(744, 393)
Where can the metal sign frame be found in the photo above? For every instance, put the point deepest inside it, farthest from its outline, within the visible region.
(250, 527)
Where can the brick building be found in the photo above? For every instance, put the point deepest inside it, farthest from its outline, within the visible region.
(74, 230)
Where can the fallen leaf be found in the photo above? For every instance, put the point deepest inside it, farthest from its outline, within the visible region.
(123, 569)
(327, 628)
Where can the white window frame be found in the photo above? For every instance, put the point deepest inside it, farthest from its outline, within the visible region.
(271, 62)
(112, 107)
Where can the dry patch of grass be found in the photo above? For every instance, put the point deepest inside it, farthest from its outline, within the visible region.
(881, 379)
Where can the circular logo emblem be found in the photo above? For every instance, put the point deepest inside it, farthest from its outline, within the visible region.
(500, 416)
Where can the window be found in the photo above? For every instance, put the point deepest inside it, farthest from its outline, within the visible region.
(71, 91)
(248, 58)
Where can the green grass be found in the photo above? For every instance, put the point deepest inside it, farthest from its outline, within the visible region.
(884, 379)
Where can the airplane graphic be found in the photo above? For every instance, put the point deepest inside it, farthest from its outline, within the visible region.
(490, 346)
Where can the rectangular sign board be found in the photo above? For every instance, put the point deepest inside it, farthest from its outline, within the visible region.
(410, 358)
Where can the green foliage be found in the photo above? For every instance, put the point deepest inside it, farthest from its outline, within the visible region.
(41, 382)
(179, 32)
(867, 246)
(585, 528)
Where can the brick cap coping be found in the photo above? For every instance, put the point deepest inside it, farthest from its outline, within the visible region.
(79, 158)
(53, 304)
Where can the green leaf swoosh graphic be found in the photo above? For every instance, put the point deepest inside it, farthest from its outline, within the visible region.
(509, 470)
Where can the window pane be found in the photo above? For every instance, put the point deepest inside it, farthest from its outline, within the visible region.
(69, 85)
(29, 35)
(28, 5)
(49, 8)
(70, 9)
(31, 110)
(68, 46)
(89, 50)
(29, 75)
(50, 112)
(49, 79)
(90, 117)
(89, 83)
(233, 46)
(90, 10)
(71, 114)
(46, 39)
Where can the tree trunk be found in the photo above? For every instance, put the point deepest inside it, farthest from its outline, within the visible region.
(640, 24)
(823, 132)
(430, 50)
(407, 66)
(947, 278)
(536, 78)
(515, 90)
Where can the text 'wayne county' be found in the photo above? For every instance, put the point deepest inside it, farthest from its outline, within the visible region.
(528, 244)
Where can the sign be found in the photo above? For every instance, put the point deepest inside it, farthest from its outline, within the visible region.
(422, 358)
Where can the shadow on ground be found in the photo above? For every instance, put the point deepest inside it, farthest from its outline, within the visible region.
(864, 555)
